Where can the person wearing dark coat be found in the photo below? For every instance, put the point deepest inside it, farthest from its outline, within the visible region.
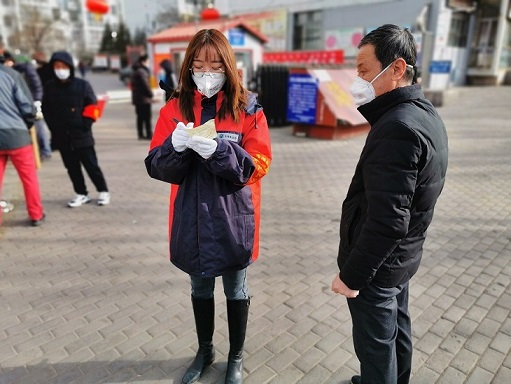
(70, 108)
(31, 76)
(142, 97)
(168, 78)
(389, 205)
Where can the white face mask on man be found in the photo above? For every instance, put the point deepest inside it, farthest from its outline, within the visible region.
(362, 90)
(63, 74)
(210, 83)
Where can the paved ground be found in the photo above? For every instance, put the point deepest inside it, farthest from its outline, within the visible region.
(91, 298)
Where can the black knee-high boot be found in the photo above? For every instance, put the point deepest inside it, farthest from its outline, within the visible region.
(237, 316)
(204, 313)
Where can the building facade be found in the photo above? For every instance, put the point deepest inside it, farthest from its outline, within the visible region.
(72, 26)
(460, 42)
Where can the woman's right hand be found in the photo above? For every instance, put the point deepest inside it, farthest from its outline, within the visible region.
(180, 136)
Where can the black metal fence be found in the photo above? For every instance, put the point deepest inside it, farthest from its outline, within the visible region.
(271, 84)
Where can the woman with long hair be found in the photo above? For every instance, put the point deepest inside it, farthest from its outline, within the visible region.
(215, 176)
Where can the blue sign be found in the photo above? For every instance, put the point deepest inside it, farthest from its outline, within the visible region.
(302, 93)
(236, 37)
(442, 66)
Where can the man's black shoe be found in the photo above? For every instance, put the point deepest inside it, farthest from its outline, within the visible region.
(37, 223)
(356, 379)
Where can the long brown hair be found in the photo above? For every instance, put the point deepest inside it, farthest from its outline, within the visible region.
(235, 98)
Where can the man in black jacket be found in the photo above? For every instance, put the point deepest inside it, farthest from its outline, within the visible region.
(70, 108)
(389, 204)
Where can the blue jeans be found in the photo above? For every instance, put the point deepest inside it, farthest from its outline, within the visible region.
(235, 286)
(382, 334)
(43, 138)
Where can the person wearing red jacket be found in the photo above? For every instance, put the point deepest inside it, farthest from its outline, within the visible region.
(215, 188)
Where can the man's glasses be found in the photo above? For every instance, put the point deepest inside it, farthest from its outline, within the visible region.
(200, 73)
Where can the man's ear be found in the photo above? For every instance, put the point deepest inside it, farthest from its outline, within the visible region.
(398, 69)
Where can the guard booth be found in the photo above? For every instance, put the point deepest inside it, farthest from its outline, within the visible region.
(310, 90)
(246, 42)
(321, 106)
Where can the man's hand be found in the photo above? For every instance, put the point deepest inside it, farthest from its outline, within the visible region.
(342, 289)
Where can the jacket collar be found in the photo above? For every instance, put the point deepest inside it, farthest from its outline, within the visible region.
(375, 109)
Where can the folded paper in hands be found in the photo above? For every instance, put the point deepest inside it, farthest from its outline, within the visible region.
(206, 130)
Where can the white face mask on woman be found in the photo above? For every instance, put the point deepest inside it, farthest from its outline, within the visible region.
(363, 90)
(63, 74)
(210, 83)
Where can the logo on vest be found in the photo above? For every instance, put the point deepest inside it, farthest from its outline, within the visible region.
(230, 136)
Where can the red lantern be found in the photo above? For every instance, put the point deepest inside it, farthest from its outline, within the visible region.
(97, 6)
(210, 13)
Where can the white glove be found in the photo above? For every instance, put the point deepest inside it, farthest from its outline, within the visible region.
(38, 111)
(203, 146)
(180, 136)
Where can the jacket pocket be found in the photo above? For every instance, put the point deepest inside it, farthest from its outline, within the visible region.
(239, 240)
(349, 219)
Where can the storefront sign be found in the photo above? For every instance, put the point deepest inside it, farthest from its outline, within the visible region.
(236, 37)
(305, 57)
(441, 66)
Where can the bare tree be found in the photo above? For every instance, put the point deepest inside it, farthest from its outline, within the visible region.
(38, 32)
(166, 17)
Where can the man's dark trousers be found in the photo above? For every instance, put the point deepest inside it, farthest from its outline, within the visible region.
(382, 334)
(143, 112)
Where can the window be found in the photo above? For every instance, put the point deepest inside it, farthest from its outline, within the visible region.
(7, 21)
(505, 57)
(307, 32)
(458, 30)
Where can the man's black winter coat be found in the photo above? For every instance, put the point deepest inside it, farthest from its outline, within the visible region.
(390, 202)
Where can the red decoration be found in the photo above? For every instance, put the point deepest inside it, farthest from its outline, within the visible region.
(97, 6)
(210, 13)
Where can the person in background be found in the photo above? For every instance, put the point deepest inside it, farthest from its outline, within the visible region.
(142, 97)
(44, 69)
(389, 204)
(70, 108)
(215, 189)
(82, 67)
(34, 83)
(168, 78)
(17, 114)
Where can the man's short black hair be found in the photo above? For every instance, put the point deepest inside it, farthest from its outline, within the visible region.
(391, 43)
(8, 56)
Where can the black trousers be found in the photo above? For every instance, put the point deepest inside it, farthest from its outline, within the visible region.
(73, 161)
(382, 334)
(143, 112)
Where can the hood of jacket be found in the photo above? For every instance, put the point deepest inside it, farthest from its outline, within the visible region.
(64, 57)
(166, 65)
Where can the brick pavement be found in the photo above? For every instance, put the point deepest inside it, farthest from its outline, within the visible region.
(91, 298)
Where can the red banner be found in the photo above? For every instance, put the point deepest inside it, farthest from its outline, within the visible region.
(304, 57)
